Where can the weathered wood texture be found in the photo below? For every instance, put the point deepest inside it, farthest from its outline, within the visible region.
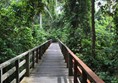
(20, 66)
(78, 68)
(51, 69)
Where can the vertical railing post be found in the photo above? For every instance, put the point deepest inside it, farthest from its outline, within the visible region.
(70, 65)
(37, 57)
(1, 75)
(17, 71)
(75, 72)
(39, 52)
(67, 57)
(63, 52)
(33, 58)
(42, 50)
(44, 47)
(84, 77)
(27, 65)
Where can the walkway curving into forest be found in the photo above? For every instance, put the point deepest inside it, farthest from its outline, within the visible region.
(51, 68)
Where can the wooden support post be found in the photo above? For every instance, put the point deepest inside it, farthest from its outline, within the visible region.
(39, 52)
(84, 77)
(33, 59)
(44, 47)
(1, 75)
(27, 65)
(17, 71)
(75, 72)
(37, 57)
(70, 65)
(67, 57)
(63, 52)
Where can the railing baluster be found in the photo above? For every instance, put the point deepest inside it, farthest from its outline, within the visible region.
(67, 61)
(39, 53)
(70, 65)
(65, 54)
(37, 57)
(63, 51)
(17, 71)
(84, 77)
(1, 75)
(44, 47)
(33, 58)
(75, 72)
(27, 65)
(84, 70)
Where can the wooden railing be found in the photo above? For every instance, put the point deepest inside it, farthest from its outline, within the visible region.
(13, 70)
(78, 68)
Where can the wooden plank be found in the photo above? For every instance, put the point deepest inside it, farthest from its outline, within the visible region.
(7, 63)
(52, 68)
(3, 65)
(18, 65)
(22, 63)
(8, 73)
(22, 73)
(13, 81)
(90, 74)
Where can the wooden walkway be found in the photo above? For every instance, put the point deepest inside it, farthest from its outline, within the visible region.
(51, 68)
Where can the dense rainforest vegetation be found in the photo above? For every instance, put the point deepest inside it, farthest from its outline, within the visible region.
(88, 27)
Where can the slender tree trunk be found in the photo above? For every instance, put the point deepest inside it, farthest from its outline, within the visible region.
(40, 20)
(55, 7)
(93, 28)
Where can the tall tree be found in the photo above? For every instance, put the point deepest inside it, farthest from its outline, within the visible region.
(93, 28)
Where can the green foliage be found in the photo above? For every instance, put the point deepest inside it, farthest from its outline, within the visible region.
(39, 35)
(17, 31)
(20, 31)
(77, 22)
(58, 33)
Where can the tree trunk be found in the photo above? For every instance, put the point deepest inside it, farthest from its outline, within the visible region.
(40, 20)
(93, 29)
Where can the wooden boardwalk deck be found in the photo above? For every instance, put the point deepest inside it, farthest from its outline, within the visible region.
(51, 68)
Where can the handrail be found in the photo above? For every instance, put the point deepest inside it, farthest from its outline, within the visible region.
(77, 67)
(21, 65)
